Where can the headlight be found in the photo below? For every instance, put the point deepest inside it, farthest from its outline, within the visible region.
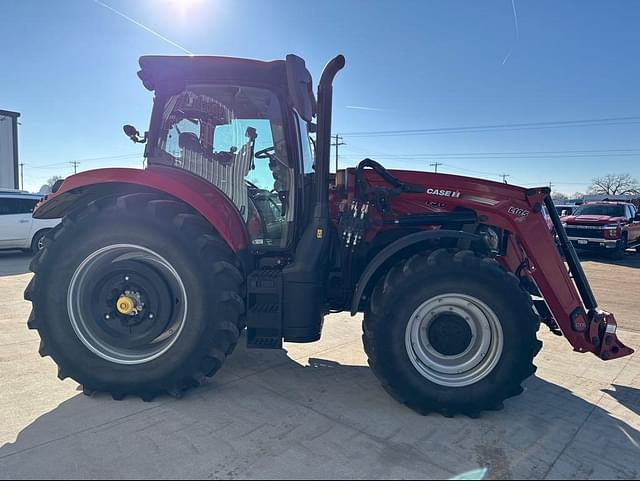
(612, 230)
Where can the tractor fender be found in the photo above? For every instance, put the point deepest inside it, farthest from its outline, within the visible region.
(81, 189)
(395, 248)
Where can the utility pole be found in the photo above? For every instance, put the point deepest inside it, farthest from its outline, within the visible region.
(22, 176)
(75, 164)
(338, 142)
(436, 165)
(505, 177)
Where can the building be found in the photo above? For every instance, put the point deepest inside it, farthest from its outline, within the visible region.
(9, 170)
(634, 199)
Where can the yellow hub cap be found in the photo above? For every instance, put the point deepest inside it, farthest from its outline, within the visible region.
(125, 305)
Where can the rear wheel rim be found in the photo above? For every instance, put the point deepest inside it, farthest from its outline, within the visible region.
(127, 304)
(454, 340)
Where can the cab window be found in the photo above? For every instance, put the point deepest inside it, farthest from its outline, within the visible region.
(234, 137)
(305, 142)
(630, 213)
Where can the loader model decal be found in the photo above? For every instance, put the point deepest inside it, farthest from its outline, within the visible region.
(519, 212)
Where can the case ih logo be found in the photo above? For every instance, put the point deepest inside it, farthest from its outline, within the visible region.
(454, 194)
(519, 212)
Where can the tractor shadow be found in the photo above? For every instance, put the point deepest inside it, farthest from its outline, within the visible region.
(13, 263)
(267, 415)
(631, 260)
(627, 396)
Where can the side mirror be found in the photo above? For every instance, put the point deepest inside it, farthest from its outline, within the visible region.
(131, 132)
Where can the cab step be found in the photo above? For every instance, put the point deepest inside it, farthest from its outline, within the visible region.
(264, 309)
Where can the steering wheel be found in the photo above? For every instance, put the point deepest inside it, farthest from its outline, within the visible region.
(267, 153)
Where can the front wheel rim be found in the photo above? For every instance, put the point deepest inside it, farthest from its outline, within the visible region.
(454, 340)
(127, 304)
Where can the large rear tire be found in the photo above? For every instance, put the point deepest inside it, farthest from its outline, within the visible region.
(136, 295)
(451, 332)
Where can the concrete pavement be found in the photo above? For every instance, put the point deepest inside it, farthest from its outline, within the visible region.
(315, 411)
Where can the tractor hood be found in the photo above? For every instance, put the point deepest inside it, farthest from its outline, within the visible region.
(170, 75)
(593, 219)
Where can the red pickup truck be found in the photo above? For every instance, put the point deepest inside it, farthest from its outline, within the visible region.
(613, 227)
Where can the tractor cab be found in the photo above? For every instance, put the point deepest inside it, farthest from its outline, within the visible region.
(241, 125)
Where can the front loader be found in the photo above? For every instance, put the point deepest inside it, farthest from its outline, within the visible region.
(237, 223)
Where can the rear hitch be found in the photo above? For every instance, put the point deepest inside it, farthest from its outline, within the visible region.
(603, 334)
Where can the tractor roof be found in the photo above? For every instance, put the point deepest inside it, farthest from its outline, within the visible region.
(158, 71)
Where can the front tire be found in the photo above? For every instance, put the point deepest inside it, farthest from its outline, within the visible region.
(451, 332)
(136, 296)
(38, 241)
(621, 250)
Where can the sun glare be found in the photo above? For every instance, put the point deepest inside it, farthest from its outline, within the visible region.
(185, 6)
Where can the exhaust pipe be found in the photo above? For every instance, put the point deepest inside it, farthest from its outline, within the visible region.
(323, 154)
(305, 280)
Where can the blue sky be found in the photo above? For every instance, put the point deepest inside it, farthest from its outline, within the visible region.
(70, 68)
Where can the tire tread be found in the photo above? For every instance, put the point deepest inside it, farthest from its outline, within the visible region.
(382, 308)
(223, 267)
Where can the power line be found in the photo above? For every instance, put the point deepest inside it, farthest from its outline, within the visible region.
(111, 157)
(612, 121)
(472, 171)
(48, 166)
(515, 154)
(338, 142)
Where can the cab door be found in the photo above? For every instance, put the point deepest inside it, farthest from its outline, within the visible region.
(15, 222)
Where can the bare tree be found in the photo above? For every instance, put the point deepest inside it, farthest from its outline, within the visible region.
(560, 198)
(615, 184)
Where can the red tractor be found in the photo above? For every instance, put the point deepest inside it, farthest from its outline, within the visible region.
(237, 223)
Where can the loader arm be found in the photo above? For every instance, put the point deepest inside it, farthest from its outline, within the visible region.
(565, 287)
(529, 248)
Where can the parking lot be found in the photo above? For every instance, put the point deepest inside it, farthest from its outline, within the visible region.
(316, 411)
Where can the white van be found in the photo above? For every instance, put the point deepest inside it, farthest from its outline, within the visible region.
(18, 228)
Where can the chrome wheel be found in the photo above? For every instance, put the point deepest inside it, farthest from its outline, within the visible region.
(127, 304)
(454, 340)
